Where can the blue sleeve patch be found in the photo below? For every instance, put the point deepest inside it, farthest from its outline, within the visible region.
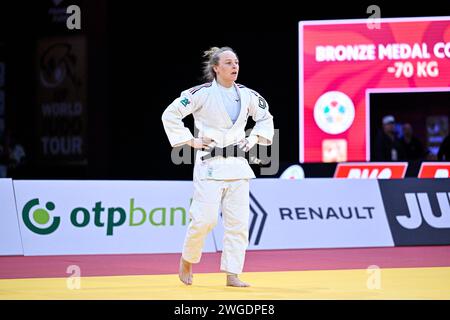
(185, 102)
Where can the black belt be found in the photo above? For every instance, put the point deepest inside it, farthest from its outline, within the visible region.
(232, 150)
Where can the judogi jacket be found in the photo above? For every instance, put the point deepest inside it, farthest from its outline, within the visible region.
(211, 119)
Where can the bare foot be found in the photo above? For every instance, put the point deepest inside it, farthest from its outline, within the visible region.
(185, 272)
(233, 281)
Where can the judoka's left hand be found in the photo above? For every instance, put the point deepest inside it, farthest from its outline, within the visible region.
(248, 143)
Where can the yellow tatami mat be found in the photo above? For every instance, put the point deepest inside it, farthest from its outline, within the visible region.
(398, 283)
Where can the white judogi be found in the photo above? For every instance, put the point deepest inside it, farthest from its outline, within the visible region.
(219, 182)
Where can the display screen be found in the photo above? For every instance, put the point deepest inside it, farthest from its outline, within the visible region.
(342, 61)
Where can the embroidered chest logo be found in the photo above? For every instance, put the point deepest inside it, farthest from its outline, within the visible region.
(185, 102)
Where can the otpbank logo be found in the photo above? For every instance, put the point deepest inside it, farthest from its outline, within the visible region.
(38, 219)
(42, 219)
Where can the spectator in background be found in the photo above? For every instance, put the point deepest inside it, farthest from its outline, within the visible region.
(412, 146)
(444, 149)
(16, 154)
(387, 145)
(13, 155)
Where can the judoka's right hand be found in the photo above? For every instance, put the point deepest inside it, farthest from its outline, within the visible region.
(202, 143)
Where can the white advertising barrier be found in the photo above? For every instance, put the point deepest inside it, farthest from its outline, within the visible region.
(10, 243)
(104, 217)
(315, 213)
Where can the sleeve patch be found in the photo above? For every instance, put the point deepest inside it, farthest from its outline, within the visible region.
(262, 103)
(185, 102)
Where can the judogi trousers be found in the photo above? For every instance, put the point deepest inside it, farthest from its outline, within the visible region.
(232, 196)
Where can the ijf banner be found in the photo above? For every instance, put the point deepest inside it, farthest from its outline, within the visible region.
(61, 100)
(342, 61)
(10, 243)
(315, 213)
(104, 217)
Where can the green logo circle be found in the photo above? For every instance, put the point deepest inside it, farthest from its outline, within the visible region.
(50, 206)
(41, 216)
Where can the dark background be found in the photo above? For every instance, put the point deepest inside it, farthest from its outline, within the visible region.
(141, 55)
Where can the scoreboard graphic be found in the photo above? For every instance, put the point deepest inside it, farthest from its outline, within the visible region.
(342, 61)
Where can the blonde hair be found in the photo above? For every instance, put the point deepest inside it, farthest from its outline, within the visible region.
(212, 56)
